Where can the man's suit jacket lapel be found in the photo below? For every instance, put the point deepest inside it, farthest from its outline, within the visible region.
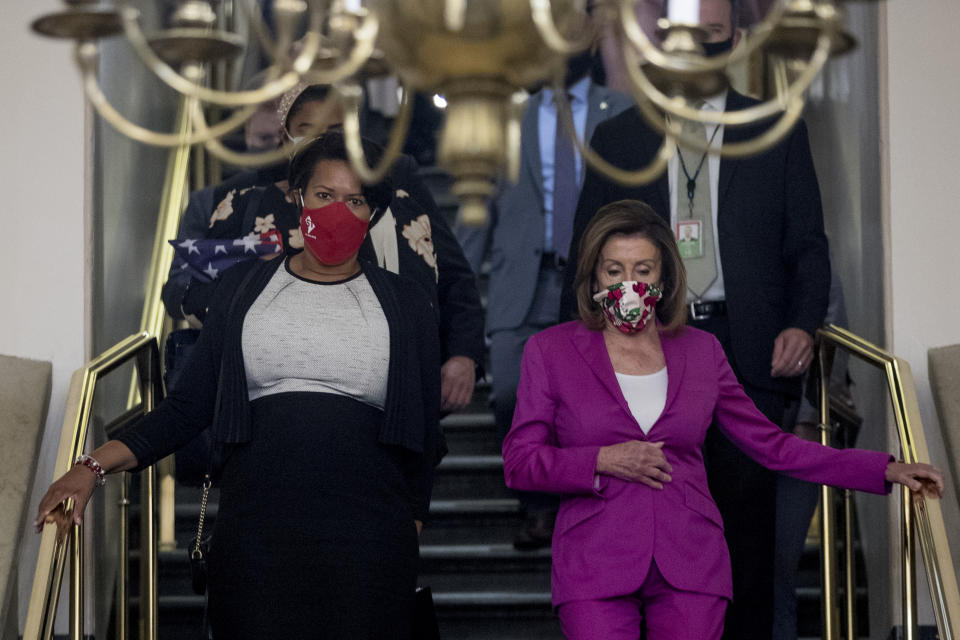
(598, 109)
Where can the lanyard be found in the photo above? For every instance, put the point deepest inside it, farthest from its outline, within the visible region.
(692, 181)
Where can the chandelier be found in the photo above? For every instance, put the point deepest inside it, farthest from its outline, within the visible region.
(479, 54)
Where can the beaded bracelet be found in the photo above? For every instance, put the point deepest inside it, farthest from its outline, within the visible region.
(93, 465)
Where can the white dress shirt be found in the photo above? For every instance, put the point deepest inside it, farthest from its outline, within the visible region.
(716, 103)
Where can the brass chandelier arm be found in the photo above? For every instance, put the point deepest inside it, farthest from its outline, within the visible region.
(239, 159)
(540, 11)
(351, 94)
(229, 156)
(272, 89)
(644, 90)
(365, 39)
(625, 177)
(753, 39)
(756, 145)
(276, 51)
(86, 59)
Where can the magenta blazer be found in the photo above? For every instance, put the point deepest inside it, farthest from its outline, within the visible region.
(608, 530)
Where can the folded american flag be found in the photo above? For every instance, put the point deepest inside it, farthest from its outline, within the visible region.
(206, 259)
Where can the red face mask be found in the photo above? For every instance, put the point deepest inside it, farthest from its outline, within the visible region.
(332, 233)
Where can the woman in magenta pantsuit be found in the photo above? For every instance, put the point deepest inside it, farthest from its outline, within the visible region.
(612, 410)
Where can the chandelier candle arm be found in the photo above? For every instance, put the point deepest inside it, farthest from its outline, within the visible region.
(542, 14)
(625, 177)
(351, 96)
(365, 39)
(764, 141)
(754, 39)
(644, 90)
(277, 51)
(241, 159)
(184, 86)
(86, 55)
(229, 156)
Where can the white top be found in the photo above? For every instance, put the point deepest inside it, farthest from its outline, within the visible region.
(301, 335)
(718, 104)
(645, 395)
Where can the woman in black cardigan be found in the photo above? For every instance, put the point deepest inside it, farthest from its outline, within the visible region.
(320, 376)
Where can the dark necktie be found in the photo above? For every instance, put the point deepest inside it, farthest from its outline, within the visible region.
(566, 189)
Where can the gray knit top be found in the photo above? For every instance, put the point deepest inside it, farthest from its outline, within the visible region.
(302, 335)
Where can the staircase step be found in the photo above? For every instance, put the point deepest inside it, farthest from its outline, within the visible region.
(499, 614)
(471, 434)
(470, 476)
(485, 599)
(469, 552)
(503, 507)
(472, 521)
(468, 421)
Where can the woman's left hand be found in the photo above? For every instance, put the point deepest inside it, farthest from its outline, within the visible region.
(457, 377)
(922, 479)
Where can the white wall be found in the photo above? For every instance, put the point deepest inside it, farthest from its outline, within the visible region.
(44, 263)
(922, 210)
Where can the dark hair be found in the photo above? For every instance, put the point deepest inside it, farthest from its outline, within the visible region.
(313, 93)
(627, 218)
(331, 146)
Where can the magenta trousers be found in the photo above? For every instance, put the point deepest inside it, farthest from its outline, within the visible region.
(665, 613)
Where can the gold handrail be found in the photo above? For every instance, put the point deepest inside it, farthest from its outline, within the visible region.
(921, 519)
(47, 579)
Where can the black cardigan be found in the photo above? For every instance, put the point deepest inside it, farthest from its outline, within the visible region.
(213, 388)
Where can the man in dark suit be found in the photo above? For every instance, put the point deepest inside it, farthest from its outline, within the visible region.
(527, 237)
(759, 281)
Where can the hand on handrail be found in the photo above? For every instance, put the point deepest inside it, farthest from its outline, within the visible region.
(924, 480)
(76, 485)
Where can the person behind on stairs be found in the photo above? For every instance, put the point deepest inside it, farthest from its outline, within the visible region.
(527, 236)
(409, 237)
(320, 376)
(612, 412)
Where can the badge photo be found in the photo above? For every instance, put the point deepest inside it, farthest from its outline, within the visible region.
(689, 239)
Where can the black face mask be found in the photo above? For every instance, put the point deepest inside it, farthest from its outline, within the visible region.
(711, 49)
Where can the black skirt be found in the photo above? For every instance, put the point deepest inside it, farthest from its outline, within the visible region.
(315, 535)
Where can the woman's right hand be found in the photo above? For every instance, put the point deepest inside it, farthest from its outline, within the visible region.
(636, 461)
(78, 483)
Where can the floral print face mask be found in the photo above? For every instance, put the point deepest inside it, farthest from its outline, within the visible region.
(629, 305)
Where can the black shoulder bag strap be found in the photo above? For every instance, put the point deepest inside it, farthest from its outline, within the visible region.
(201, 544)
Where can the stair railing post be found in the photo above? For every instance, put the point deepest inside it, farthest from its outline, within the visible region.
(908, 566)
(123, 577)
(76, 582)
(828, 527)
(850, 576)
